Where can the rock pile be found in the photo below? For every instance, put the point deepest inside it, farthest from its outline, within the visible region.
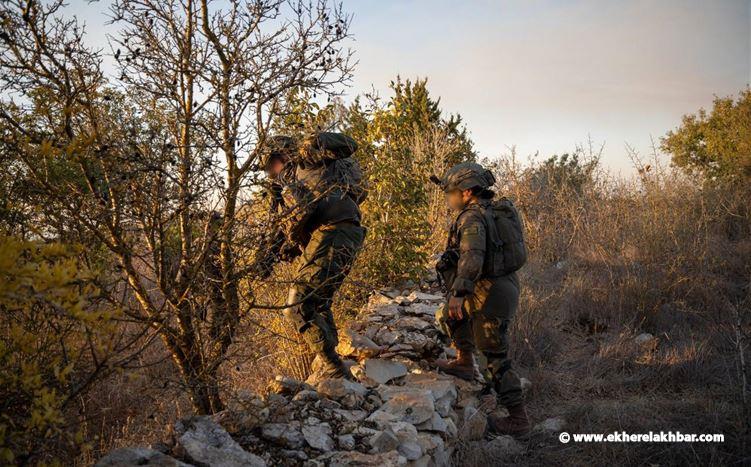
(401, 412)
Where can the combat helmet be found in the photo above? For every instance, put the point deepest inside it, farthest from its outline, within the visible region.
(277, 146)
(465, 176)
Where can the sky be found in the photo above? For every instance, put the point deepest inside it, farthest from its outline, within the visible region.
(543, 76)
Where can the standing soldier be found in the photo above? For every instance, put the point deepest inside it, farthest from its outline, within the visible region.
(321, 225)
(484, 249)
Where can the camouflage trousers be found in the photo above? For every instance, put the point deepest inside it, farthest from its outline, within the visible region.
(325, 262)
(488, 313)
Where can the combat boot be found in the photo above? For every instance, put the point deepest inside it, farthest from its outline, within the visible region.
(334, 367)
(463, 366)
(516, 424)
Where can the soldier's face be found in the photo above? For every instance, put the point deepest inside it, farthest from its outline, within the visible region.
(274, 167)
(458, 199)
(455, 200)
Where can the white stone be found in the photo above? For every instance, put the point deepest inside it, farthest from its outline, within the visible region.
(411, 407)
(284, 434)
(382, 371)
(346, 442)
(410, 449)
(205, 442)
(526, 384)
(412, 323)
(318, 436)
(643, 338)
(337, 388)
(424, 297)
(383, 441)
(551, 425)
(356, 345)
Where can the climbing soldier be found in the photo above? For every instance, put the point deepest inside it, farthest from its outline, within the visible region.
(318, 205)
(485, 248)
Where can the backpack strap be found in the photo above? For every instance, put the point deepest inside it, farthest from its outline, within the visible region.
(493, 238)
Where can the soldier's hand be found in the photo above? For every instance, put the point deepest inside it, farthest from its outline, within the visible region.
(456, 308)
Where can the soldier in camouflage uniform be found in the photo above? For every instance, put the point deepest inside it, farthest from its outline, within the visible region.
(321, 226)
(480, 308)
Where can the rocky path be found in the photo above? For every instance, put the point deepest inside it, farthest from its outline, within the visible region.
(401, 412)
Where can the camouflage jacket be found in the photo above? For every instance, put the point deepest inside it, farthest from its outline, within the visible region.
(306, 195)
(467, 236)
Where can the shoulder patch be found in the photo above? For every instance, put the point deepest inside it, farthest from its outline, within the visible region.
(472, 235)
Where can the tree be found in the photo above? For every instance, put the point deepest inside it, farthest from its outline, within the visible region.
(715, 144)
(153, 167)
(401, 144)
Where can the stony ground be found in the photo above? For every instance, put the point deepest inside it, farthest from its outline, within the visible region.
(401, 412)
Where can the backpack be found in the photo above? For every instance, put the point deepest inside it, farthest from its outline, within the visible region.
(506, 251)
(348, 175)
(344, 174)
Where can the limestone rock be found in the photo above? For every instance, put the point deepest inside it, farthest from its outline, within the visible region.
(424, 310)
(379, 299)
(440, 386)
(306, 395)
(412, 323)
(351, 415)
(387, 337)
(285, 434)
(131, 457)
(383, 441)
(381, 419)
(346, 442)
(383, 371)
(285, 385)
(413, 407)
(411, 450)
(424, 297)
(337, 388)
(204, 442)
(439, 424)
(318, 436)
(356, 345)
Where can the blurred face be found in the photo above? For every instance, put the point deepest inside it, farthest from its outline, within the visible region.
(458, 199)
(274, 167)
